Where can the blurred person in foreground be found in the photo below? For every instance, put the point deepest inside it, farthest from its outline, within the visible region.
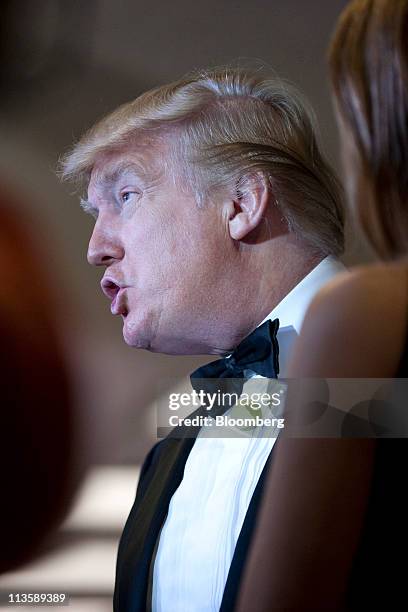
(333, 530)
(216, 217)
(37, 432)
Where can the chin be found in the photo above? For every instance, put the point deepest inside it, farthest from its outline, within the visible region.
(141, 333)
(135, 333)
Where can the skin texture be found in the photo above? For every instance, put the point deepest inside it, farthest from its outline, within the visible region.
(196, 279)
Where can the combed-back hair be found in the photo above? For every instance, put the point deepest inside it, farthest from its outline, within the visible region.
(222, 125)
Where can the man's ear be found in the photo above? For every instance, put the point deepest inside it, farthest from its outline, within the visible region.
(252, 197)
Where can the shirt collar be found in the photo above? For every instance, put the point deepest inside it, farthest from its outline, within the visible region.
(292, 309)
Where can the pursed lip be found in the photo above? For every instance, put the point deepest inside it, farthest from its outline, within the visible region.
(115, 292)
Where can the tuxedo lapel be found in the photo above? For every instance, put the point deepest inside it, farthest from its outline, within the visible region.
(158, 482)
(161, 475)
(243, 543)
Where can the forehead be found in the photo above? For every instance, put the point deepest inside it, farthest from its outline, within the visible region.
(110, 167)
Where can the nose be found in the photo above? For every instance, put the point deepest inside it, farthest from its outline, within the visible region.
(104, 248)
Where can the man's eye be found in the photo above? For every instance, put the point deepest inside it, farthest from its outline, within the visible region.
(125, 196)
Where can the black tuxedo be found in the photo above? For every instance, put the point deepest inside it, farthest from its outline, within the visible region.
(161, 474)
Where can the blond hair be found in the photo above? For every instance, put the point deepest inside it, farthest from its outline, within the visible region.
(369, 69)
(228, 123)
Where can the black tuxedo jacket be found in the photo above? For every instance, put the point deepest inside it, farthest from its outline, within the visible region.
(161, 474)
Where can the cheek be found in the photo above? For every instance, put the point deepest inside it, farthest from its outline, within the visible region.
(168, 251)
(156, 259)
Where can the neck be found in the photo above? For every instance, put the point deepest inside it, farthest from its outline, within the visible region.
(266, 275)
(282, 272)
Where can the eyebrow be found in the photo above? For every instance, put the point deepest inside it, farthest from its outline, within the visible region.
(88, 208)
(109, 177)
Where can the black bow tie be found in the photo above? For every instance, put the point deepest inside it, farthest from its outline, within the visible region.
(258, 352)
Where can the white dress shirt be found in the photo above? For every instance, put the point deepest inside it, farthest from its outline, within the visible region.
(206, 513)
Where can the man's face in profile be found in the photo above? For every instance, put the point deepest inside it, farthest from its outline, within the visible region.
(161, 251)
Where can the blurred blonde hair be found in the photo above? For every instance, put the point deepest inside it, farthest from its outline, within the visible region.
(224, 124)
(369, 69)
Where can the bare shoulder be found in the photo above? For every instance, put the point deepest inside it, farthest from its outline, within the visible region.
(356, 325)
(375, 291)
